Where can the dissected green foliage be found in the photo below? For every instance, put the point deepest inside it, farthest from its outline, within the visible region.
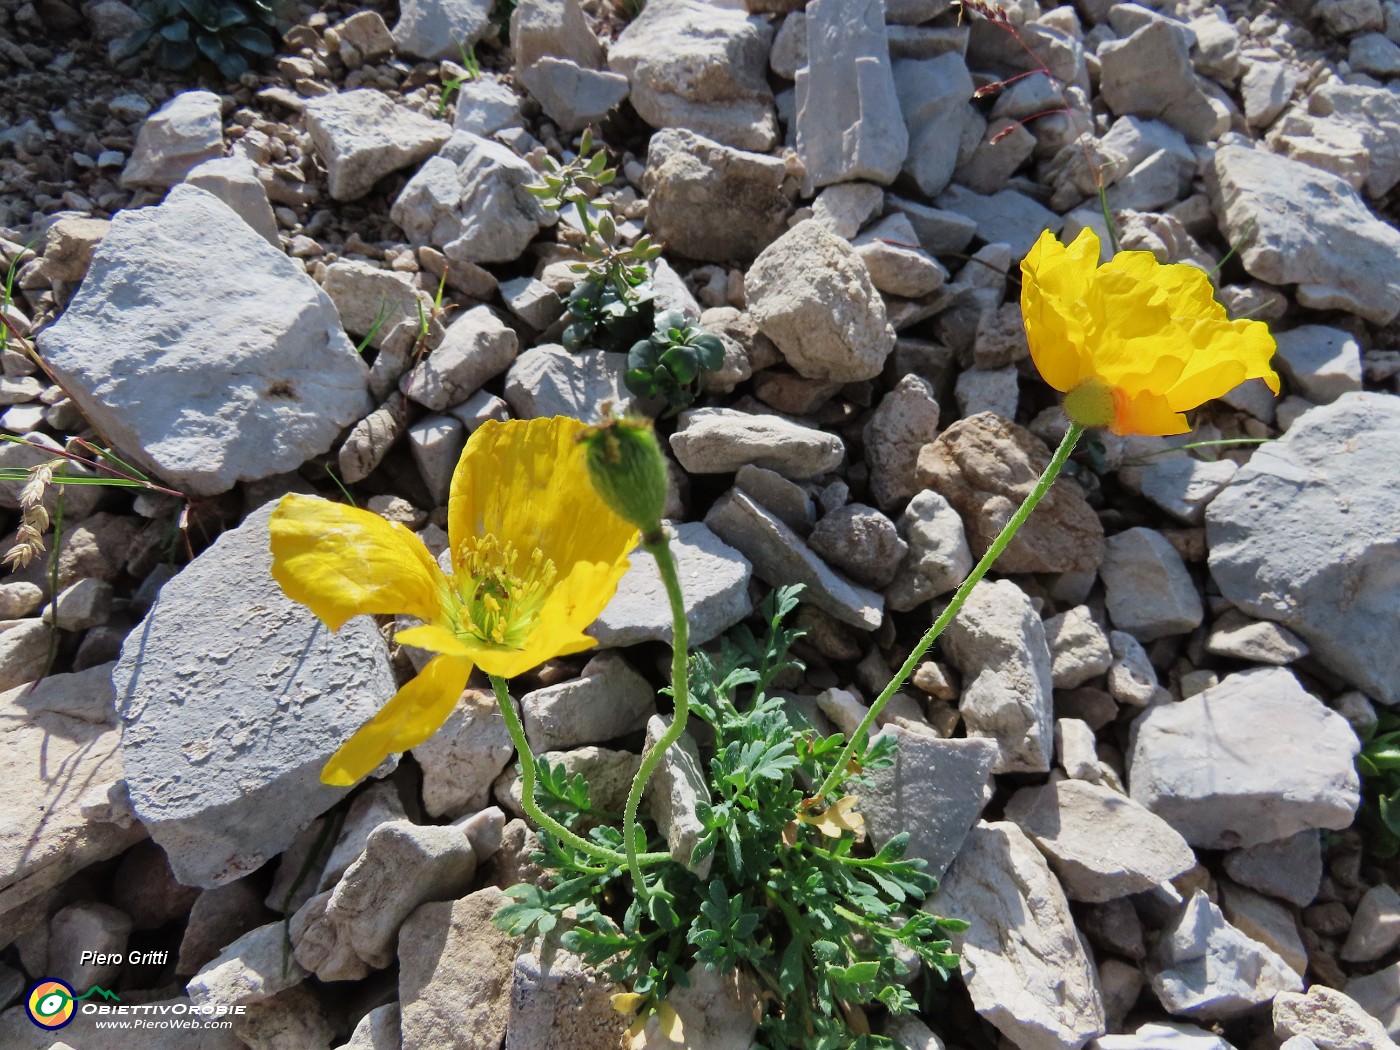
(602, 318)
(674, 362)
(232, 35)
(793, 898)
(1379, 765)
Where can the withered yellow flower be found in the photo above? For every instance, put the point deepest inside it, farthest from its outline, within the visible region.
(536, 555)
(1134, 343)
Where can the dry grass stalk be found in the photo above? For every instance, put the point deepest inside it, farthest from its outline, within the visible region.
(34, 519)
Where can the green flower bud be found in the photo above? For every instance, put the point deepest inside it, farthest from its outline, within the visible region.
(628, 471)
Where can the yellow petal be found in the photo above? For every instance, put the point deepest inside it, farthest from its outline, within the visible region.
(627, 1002)
(341, 562)
(435, 639)
(412, 715)
(1055, 279)
(526, 482)
(1147, 413)
(670, 1023)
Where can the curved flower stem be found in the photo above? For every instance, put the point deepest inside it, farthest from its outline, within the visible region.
(659, 547)
(527, 790)
(1042, 486)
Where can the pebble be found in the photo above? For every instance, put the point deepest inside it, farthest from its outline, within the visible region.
(181, 134)
(1320, 363)
(905, 420)
(861, 542)
(1079, 648)
(608, 700)
(935, 99)
(1375, 929)
(1148, 591)
(721, 440)
(1328, 1018)
(1289, 869)
(439, 29)
(462, 760)
(1237, 636)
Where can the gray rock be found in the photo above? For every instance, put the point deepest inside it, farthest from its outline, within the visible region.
(780, 557)
(897, 265)
(485, 106)
(988, 390)
(87, 927)
(1006, 217)
(1079, 648)
(361, 136)
(1344, 17)
(1338, 118)
(470, 201)
(608, 700)
(558, 28)
(1375, 53)
(573, 96)
(85, 604)
(1207, 969)
(787, 499)
(721, 440)
(184, 132)
(1163, 1036)
(905, 420)
(1132, 679)
(455, 971)
(1026, 968)
(1150, 74)
(1291, 220)
(718, 1009)
(998, 644)
(230, 710)
(1180, 484)
(366, 33)
(24, 651)
(377, 1030)
(1330, 1019)
(861, 542)
(848, 124)
(19, 598)
(1266, 89)
(218, 918)
(533, 301)
(436, 444)
(690, 178)
(437, 28)
(1321, 495)
(675, 788)
(845, 207)
(249, 970)
(1375, 929)
(810, 293)
(144, 349)
(1319, 362)
(1379, 995)
(697, 66)
(382, 306)
(935, 791)
(938, 230)
(558, 1002)
(1101, 844)
(344, 933)
(1254, 759)
(234, 180)
(985, 466)
(1237, 636)
(476, 348)
(1290, 869)
(550, 381)
(714, 580)
(935, 98)
(1076, 750)
(1267, 921)
(608, 774)
(462, 760)
(1148, 591)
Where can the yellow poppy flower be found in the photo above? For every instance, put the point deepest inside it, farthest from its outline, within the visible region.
(536, 555)
(1133, 343)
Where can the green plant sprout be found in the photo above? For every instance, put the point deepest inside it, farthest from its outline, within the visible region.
(674, 362)
(232, 35)
(1379, 766)
(451, 85)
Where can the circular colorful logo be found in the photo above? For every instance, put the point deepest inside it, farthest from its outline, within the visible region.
(50, 1003)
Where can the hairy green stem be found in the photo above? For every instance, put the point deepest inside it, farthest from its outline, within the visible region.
(659, 547)
(1042, 486)
(527, 781)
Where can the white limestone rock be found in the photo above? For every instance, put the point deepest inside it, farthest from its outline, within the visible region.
(470, 201)
(362, 135)
(435, 29)
(1148, 591)
(462, 759)
(158, 352)
(1025, 965)
(904, 422)
(549, 381)
(186, 131)
(232, 698)
(608, 700)
(721, 440)
(1149, 74)
(939, 558)
(1320, 362)
(476, 348)
(234, 180)
(1303, 537)
(1251, 760)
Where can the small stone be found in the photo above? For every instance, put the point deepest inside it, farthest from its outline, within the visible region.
(1078, 646)
(1375, 929)
(1237, 636)
(1148, 591)
(366, 32)
(462, 759)
(377, 1030)
(85, 604)
(1180, 484)
(1375, 53)
(218, 918)
(721, 440)
(861, 542)
(470, 201)
(1076, 750)
(1132, 679)
(1290, 868)
(714, 579)
(19, 598)
(675, 789)
(935, 99)
(1330, 1019)
(185, 131)
(1150, 74)
(87, 927)
(1006, 217)
(436, 443)
(997, 642)
(476, 348)
(847, 119)
(787, 499)
(436, 29)
(361, 136)
(935, 791)
(249, 970)
(939, 558)
(1320, 362)
(905, 420)
(572, 96)
(234, 180)
(1205, 968)
(1253, 760)
(485, 106)
(781, 558)
(810, 293)
(1163, 1036)
(549, 381)
(985, 466)
(846, 207)
(608, 700)
(897, 265)
(1026, 968)
(1267, 88)
(24, 651)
